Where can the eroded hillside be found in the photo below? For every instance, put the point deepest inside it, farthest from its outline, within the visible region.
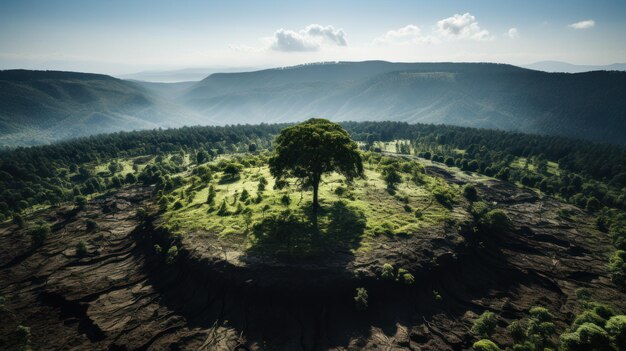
(106, 277)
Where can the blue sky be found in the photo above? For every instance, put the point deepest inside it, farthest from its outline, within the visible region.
(127, 36)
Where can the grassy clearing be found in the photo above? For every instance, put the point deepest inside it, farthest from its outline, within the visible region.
(523, 162)
(351, 215)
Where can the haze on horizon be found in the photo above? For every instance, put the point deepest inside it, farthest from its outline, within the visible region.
(121, 37)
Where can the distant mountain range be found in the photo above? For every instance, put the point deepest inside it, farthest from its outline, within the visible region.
(41, 106)
(182, 75)
(558, 66)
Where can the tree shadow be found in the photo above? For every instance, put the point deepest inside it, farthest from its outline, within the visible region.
(296, 235)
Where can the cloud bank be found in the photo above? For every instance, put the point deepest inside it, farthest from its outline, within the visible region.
(311, 38)
(583, 24)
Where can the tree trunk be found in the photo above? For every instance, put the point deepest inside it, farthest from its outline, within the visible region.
(316, 184)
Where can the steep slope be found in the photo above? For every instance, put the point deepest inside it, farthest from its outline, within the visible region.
(586, 105)
(42, 106)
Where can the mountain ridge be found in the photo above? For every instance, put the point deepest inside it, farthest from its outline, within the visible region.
(42, 106)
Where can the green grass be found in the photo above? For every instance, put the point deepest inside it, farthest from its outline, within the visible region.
(520, 163)
(384, 215)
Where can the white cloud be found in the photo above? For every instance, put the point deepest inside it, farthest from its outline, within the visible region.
(462, 26)
(583, 24)
(405, 34)
(311, 38)
(512, 33)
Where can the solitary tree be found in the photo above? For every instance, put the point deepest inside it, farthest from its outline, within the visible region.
(312, 148)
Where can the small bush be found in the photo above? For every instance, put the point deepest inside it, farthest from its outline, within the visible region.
(387, 272)
(339, 191)
(244, 195)
(485, 324)
(407, 208)
(91, 225)
(407, 278)
(172, 254)
(496, 220)
(588, 337)
(23, 336)
(617, 268)
(517, 331)
(223, 210)
(444, 195)
(178, 205)
(285, 200)
(211, 196)
(587, 317)
(80, 201)
(485, 345)
(18, 220)
(81, 249)
(470, 193)
(360, 299)
(38, 234)
(616, 327)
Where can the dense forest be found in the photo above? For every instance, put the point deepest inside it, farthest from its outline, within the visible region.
(587, 174)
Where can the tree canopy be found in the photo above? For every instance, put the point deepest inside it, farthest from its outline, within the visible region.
(312, 148)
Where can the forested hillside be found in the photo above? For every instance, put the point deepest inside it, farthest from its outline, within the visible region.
(586, 105)
(41, 106)
(37, 107)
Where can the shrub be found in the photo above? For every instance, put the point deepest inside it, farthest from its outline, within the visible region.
(407, 278)
(18, 220)
(616, 327)
(339, 191)
(285, 200)
(163, 203)
(496, 220)
(485, 324)
(258, 198)
(583, 294)
(408, 208)
(262, 184)
(211, 196)
(485, 345)
(172, 254)
(178, 205)
(593, 204)
(516, 329)
(360, 299)
(91, 225)
(80, 201)
(223, 210)
(23, 336)
(387, 272)
(470, 193)
(391, 176)
(444, 195)
(81, 249)
(587, 317)
(244, 195)
(541, 314)
(617, 268)
(588, 337)
(38, 234)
